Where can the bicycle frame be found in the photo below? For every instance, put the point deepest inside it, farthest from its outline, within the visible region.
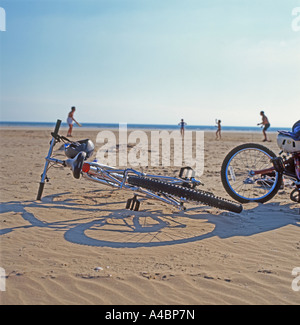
(280, 166)
(116, 178)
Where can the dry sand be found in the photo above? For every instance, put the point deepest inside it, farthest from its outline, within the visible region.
(80, 246)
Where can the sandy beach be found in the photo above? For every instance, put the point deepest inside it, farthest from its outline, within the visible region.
(79, 245)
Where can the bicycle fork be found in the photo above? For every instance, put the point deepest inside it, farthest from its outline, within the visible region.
(44, 175)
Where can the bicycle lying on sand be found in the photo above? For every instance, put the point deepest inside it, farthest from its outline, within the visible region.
(172, 190)
(253, 173)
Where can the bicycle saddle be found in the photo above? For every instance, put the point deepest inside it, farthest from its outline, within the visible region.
(73, 148)
(76, 163)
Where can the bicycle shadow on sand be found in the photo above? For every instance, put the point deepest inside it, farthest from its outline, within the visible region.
(120, 228)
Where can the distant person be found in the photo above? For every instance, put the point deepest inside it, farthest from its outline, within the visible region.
(218, 133)
(182, 125)
(265, 124)
(70, 121)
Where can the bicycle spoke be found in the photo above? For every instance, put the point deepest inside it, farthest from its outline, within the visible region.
(239, 174)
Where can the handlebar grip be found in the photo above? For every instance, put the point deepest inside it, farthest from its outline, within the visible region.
(41, 188)
(57, 126)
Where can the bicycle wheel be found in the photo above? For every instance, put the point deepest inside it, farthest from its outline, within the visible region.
(206, 198)
(239, 179)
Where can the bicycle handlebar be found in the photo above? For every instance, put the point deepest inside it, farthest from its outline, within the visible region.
(57, 126)
(55, 134)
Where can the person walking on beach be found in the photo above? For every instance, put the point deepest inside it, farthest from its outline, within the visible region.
(182, 125)
(218, 133)
(266, 124)
(70, 121)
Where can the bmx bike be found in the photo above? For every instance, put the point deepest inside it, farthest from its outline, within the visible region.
(253, 173)
(172, 190)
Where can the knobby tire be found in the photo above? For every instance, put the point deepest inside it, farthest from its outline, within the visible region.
(203, 197)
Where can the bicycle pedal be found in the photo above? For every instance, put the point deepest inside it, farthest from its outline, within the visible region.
(128, 204)
(133, 204)
(186, 173)
(137, 205)
(278, 164)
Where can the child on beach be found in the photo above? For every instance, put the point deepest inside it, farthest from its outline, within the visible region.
(182, 125)
(218, 133)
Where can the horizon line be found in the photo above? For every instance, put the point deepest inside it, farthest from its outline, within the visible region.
(143, 124)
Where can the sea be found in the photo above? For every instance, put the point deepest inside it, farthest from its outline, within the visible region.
(4, 124)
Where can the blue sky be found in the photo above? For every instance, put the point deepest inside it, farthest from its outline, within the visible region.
(150, 61)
